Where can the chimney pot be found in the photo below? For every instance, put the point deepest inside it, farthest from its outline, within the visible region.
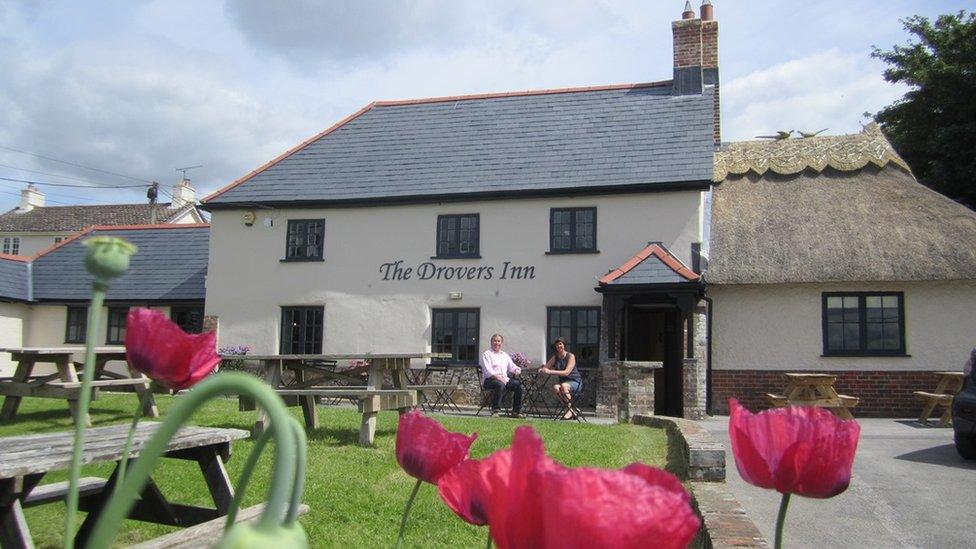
(183, 194)
(707, 11)
(689, 13)
(31, 198)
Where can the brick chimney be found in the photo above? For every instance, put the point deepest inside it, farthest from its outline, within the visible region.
(30, 198)
(696, 56)
(183, 194)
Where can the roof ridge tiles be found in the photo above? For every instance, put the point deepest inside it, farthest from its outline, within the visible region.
(522, 93)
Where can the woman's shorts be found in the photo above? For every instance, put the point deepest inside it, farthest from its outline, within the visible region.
(574, 385)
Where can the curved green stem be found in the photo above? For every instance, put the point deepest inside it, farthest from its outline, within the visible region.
(81, 414)
(406, 512)
(245, 477)
(123, 464)
(283, 476)
(488, 545)
(301, 463)
(780, 519)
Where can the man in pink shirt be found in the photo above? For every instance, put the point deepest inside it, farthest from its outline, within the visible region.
(496, 366)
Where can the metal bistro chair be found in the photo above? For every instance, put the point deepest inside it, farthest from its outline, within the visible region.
(444, 393)
(575, 398)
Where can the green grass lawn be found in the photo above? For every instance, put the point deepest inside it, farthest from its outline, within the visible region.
(356, 495)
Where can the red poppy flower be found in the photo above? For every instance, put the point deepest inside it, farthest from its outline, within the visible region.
(545, 504)
(425, 450)
(466, 489)
(157, 347)
(806, 451)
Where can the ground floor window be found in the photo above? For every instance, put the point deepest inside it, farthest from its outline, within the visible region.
(189, 319)
(455, 331)
(301, 330)
(863, 323)
(580, 328)
(76, 325)
(116, 325)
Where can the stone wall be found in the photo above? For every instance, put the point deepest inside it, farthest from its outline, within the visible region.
(881, 393)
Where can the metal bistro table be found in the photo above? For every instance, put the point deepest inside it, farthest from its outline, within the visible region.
(64, 383)
(311, 381)
(24, 460)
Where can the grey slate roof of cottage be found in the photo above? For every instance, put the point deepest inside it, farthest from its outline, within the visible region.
(76, 218)
(654, 264)
(14, 278)
(171, 265)
(635, 136)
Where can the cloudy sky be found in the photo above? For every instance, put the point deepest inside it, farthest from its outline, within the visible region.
(119, 92)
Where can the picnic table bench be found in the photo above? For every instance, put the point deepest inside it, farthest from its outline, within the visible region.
(808, 389)
(309, 382)
(26, 459)
(65, 383)
(948, 385)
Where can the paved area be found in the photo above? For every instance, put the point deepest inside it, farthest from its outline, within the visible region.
(910, 489)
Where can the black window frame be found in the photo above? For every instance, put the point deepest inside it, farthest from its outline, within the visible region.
(572, 343)
(291, 249)
(456, 342)
(474, 254)
(573, 247)
(76, 314)
(862, 323)
(112, 324)
(176, 311)
(285, 343)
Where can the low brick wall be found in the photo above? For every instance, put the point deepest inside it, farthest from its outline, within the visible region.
(882, 393)
(702, 460)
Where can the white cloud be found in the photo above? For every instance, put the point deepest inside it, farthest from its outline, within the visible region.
(829, 89)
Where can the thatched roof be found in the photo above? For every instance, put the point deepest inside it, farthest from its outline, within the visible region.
(832, 209)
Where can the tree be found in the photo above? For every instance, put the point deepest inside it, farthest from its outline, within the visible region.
(933, 126)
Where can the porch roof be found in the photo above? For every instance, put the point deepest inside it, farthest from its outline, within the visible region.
(654, 264)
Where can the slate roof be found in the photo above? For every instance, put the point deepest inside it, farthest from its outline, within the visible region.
(14, 278)
(76, 218)
(634, 136)
(171, 265)
(655, 264)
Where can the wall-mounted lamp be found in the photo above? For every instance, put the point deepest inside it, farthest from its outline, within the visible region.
(454, 296)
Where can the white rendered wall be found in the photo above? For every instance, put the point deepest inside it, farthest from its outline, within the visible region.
(32, 243)
(11, 332)
(778, 327)
(247, 284)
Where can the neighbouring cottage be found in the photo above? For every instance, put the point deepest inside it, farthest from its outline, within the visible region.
(433, 223)
(827, 256)
(44, 298)
(32, 227)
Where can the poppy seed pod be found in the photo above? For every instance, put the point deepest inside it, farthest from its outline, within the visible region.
(108, 257)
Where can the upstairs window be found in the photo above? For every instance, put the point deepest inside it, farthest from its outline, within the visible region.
(863, 323)
(11, 245)
(301, 330)
(572, 230)
(76, 325)
(305, 240)
(455, 332)
(116, 325)
(458, 236)
(58, 239)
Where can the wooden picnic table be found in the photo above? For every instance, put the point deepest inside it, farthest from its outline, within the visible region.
(310, 381)
(65, 383)
(948, 385)
(26, 459)
(810, 389)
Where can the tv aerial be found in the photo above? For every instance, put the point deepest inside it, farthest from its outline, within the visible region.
(186, 169)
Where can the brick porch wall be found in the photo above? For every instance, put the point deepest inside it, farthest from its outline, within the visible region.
(882, 393)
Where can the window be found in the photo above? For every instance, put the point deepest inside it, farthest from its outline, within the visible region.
(301, 330)
(457, 236)
(572, 230)
(860, 323)
(580, 328)
(455, 331)
(11, 245)
(304, 241)
(189, 319)
(76, 325)
(116, 325)
(58, 239)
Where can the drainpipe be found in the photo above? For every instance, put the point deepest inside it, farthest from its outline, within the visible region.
(708, 362)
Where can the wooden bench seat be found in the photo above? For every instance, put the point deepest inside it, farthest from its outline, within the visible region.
(47, 493)
(207, 533)
(942, 399)
(124, 382)
(432, 387)
(842, 401)
(777, 400)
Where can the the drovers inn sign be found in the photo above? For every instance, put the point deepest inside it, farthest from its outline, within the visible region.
(396, 270)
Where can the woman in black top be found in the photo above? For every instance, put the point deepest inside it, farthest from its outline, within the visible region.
(563, 364)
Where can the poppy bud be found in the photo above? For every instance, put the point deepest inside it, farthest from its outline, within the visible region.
(108, 257)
